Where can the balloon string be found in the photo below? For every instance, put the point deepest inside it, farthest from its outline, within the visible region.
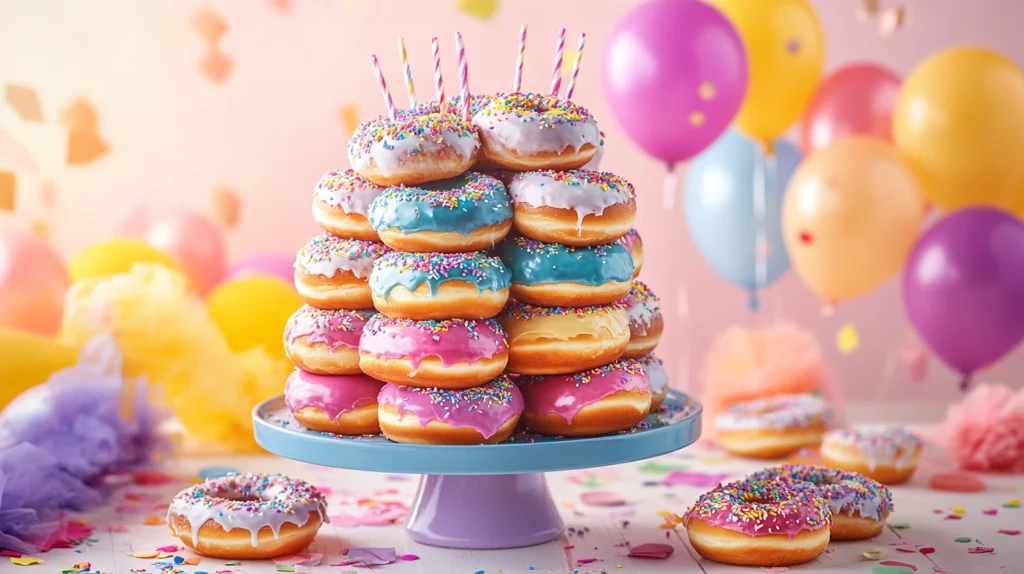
(684, 313)
(965, 383)
(671, 184)
(760, 231)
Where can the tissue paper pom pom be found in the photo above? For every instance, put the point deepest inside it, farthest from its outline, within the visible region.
(985, 431)
(744, 364)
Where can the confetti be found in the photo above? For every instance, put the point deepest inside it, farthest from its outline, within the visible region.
(152, 520)
(483, 9)
(409, 557)
(24, 101)
(1009, 532)
(956, 482)
(891, 20)
(1011, 504)
(284, 568)
(904, 547)
(651, 550)
(349, 118)
(962, 539)
(233, 563)
(980, 550)
(300, 559)
(372, 556)
(145, 554)
(697, 479)
(847, 339)
(602, 498)
(209, 24)
(867, 9)
(586, 560)
(26, 560)
(874, 554)
(84, 146)
(79, 114)
(901, 525)
(926, 550)
(959, 510)
(216, 65)
(8, 190)
(659, 468)
(990, 511)
(897, 567)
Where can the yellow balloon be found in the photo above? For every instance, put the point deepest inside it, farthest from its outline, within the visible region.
(252, 312)
(786, 51)
(114, 256)
(1018, 204)
(960, 120)
(850, 216)
(29, 359)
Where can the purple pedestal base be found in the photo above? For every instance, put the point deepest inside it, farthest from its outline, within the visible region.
(484, 511)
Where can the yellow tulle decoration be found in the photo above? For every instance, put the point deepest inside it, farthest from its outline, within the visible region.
(166, 335)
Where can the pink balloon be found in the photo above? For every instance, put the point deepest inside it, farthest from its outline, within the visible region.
(33, 281)
(192, 239)
(675, 73)
(275, 264)
(855, 100)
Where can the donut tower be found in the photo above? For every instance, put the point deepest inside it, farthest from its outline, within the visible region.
(475, 277)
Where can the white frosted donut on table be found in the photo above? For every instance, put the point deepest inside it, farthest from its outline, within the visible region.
(886, 453)
(773, 427)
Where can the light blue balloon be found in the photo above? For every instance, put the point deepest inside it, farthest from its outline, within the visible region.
(720, 207)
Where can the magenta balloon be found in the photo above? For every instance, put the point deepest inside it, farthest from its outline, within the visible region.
(675, 73)
(275, 264)
(855, 100)
(964, 287)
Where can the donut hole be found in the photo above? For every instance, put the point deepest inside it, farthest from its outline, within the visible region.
(235, 496)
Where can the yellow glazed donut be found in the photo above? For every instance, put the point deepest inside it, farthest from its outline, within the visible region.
(332, 273)
(345, 404)
(325, 341)
(559, 340)
(773, 427)
(632, 242)
(888, 454)
(645, 321)
(572, 207)
(341, 204)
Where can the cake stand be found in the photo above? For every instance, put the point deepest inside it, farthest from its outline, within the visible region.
(481, 496)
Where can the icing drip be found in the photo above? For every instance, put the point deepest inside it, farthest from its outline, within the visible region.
(336, 327)
(779, 412)
(451, 341)
(413, 269)
(846, 493)
(880, 444)
(761, 508)
(485, 408)
(656, 374)
(595, 162)
(586, 192)
(335, 395)
(642, 306)
(464, 204)
(347, 191)
(566, 395)
(533, 262)
(327, 254)
(415, 138)
(249, 501)
(532, 123)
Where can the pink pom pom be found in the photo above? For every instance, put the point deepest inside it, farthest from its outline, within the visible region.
(985, 431)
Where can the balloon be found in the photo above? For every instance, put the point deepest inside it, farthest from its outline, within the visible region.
(786, 48)
(964, 287)
(720, 191)
(29, 359)
(274, 264)
(1018, 205)
(33, 281)
(192, 239)
(675, 72)
(855, 100)
(114, 256)
(960, 121)
(850, 217)
(252, 312)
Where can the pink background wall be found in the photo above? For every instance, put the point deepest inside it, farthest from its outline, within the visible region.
(273, 127)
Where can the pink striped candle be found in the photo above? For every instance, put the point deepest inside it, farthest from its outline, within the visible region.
(575, 67)
(518, 82)
(438, 82)
(556, 73)
(463, 75)
(383, 87)
(408, 73)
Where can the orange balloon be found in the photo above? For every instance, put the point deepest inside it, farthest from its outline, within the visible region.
(850, 216)
(33, 281)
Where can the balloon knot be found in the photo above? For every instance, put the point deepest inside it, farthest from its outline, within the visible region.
(965, 383)
(752, 302)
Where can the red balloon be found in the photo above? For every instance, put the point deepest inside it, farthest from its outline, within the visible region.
(33, 281)
(192, 239)
(855, 100)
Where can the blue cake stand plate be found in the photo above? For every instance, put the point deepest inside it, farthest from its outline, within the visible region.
(481, 496)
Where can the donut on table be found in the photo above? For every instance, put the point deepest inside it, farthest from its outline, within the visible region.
(424, 286)
(645, 321)
(247, 516)
(595, 162)
(341, 204)
(413, 148)
(773, 427)
(558, 340)
(332, 273)
(888, 454)
(448, 353)
(336, 404)
(325, 341)
(603, 400)
(469, 212)
(858, 504)
(487, 414)
(631, 241)
(657, 377)
(555, 275)
(528, 131)
(572, 207)
(759, 523)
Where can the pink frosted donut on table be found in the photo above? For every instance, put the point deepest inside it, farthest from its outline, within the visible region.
(598, 401)
(449, 353)
(341, 204)
(487, 414)
(343, 404)
(325, 341)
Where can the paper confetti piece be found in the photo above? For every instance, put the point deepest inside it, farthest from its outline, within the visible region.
(897, 564)
(901, 525)
(660, 468)
(84, 146)
(284, 568)
(300, 559)
(24, 101)
(959, 510)
(891, 20)
(867, 9)
(990, 511)
(874, 554)
(980, 550)
(409, 557)
(145, 554)
(586, 560)
(954, 517)
(216, 66)
(227, 207)
(209, 24)
(1009, 532)
(171, 548)
(82, 565)
(696, 479)
(904, 547)
(233, 563)
(152, 520)
(653, 550)
(847, 339)
(483, 9)
(349, 116)
(8, 190)
(79, 114)
(26, 560)
(962, 539)
(192, 561)
(774, 569)
(956, 482)
(602, 498)
(926, 550)
(1012, 503)
(373, 556)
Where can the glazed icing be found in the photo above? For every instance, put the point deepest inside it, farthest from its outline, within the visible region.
(389, 144)
(630, 240)
(642, 306)
(761, 508)
(484, 408)
(463, 204)
(335, 395)
(531, 123)
(586, 192)
(347, 191)
(845, 492)
(566, 395)
(656, 374)
(335, 327)
(883, 444)
(595, 162)
(326, 254)
(778, 412)
(534, 262)
(563, 323)
(413, 269)
(248, 501)
(452, 340)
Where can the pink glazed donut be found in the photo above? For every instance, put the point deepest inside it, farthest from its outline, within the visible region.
(325, 341)
(604, 400)
(448, 354)
(339, 405)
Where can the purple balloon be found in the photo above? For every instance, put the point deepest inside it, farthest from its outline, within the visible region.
(964, 287)
(275, 264)
(675, 73)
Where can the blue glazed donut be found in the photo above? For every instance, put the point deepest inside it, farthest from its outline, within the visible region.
(555, 275)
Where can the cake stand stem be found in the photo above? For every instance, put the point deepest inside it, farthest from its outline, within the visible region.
(484, 511)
